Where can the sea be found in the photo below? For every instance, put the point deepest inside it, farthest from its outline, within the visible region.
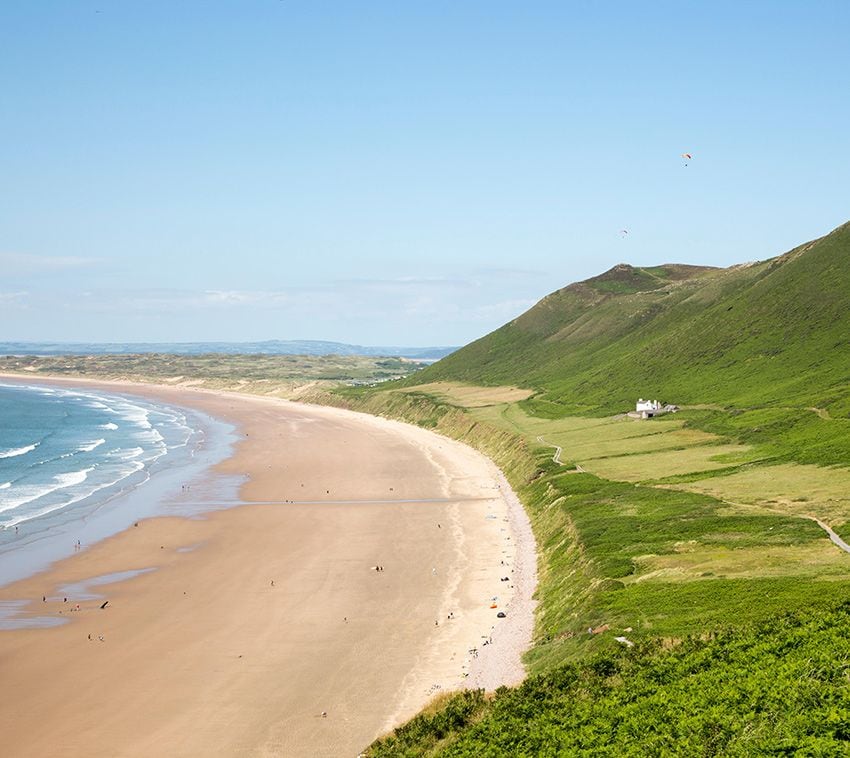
(78, 465)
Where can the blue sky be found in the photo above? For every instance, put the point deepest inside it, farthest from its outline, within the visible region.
(396, 172)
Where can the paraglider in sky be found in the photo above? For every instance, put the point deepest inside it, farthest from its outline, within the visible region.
(687, 157)
(624, 232)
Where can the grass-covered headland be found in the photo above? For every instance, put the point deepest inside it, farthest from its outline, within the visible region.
(691, 536)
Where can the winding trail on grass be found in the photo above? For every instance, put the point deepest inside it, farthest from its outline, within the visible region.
(557, 457)
(832, 535)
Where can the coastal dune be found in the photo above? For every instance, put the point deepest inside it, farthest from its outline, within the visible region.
(265, 629)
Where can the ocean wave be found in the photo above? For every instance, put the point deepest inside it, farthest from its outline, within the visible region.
(89, 446)
(31, 516)
(16, 451)
(144, 434)
(31, 493)
(21, 518)
(127, 410)
(125, 455)
(73, 477)
(151, 441)
(138, 417)
(155, 450)
(132, 413)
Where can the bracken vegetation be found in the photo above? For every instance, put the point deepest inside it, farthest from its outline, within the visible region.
(779, 688)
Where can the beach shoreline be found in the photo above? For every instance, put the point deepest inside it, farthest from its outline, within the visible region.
(160, 488)
(263, 616)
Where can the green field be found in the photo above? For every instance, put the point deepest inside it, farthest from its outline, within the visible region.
(665, 533)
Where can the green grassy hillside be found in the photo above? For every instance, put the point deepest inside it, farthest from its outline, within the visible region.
(763, 348)
(670, 530)
(750, 334)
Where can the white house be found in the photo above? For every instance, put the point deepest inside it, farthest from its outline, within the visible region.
(647, 405)
(650, 408)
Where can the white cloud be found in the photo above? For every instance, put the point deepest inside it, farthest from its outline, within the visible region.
(28, 263)
(245, 297)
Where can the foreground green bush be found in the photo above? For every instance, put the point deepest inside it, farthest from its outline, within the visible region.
(778, 688)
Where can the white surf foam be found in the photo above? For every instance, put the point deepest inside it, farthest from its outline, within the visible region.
(29, 494)
(73, 477)
(16, 451)
(82, 495)
(126, 455)
(89, 446)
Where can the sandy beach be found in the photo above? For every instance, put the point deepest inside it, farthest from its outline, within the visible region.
(258, 619)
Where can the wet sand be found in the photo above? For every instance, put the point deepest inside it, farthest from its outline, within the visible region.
(205, 656)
